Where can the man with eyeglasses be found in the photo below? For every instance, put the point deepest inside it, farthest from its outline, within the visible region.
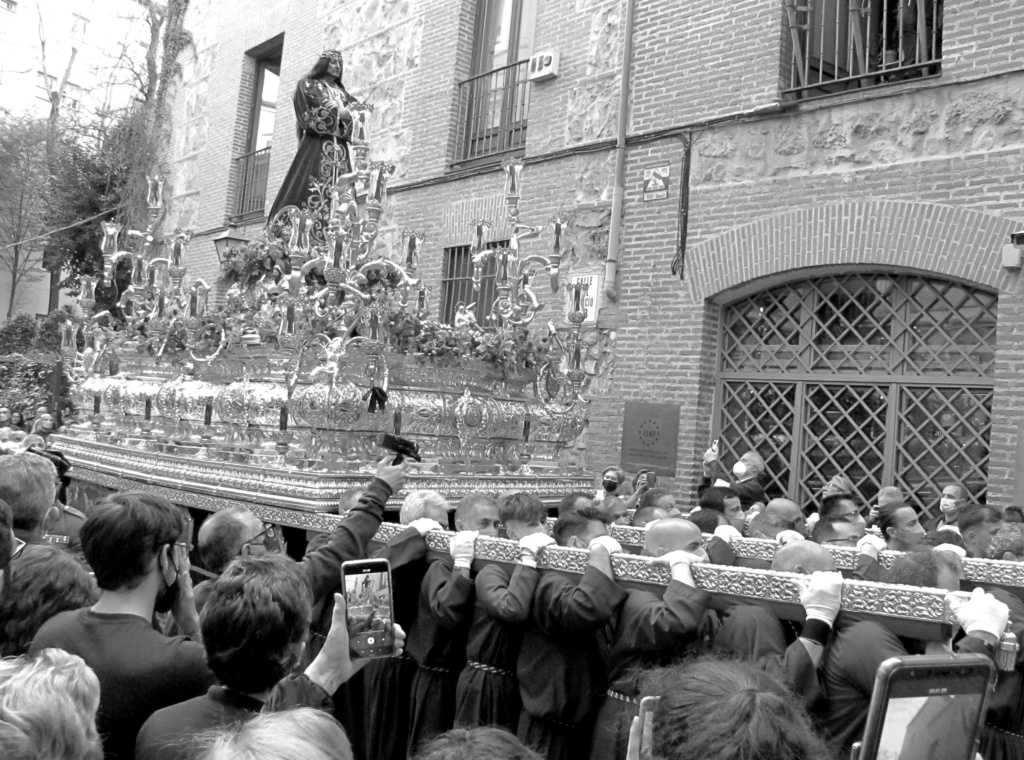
(138, 546)
(223, 536)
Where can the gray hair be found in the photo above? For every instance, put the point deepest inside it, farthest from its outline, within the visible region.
(416, 503)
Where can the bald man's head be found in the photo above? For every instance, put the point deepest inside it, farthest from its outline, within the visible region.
(673, 534)
(804, 557)
(788, 509)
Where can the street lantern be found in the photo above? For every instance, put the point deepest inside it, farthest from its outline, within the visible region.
(227, 239)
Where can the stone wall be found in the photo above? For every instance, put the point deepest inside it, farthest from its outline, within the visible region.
(931, 148)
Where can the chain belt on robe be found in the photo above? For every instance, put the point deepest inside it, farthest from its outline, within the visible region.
(623, 697)
(490, 669)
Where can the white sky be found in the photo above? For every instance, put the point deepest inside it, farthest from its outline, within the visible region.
(101, 28)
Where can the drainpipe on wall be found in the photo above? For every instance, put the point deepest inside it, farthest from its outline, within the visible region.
(611, 267)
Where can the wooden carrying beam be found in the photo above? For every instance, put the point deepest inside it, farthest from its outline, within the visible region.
(920, 613)
(992, 572)
(907, 611)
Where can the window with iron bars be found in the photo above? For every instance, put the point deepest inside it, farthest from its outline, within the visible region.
(494, 102)
(252, 168)
(457, 284)
(838, 45)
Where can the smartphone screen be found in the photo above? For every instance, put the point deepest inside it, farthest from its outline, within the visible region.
(931, 711)
(369, 610)
(647, 707)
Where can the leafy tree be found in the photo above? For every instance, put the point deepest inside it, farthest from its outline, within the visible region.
(23, 201)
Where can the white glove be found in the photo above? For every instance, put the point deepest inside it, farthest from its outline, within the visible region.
(678, 557)
(530, 547)
(463, 548)
(609, 543)
(871, 545)
(981, 613)
(424, 525)
(823, 596)
(727, 533)
(957, 550)
(785, 536)
(812, 520)
(678, 564)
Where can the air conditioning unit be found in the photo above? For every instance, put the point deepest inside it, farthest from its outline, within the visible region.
(543, 66)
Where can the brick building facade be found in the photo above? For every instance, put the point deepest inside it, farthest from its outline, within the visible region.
(843, 303)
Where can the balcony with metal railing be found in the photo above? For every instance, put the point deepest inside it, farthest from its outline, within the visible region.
(493, 109)
(251, 172)
(839, 45)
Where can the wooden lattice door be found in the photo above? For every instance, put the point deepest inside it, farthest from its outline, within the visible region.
(886, 378)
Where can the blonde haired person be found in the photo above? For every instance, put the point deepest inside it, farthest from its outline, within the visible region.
(299, 734)
(48, 708)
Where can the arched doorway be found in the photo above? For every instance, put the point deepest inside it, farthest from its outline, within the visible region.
(882, 376)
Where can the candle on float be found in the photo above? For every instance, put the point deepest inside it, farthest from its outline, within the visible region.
(421, 298)
(577, 296)
(208, 415)
(398, 422)
(149, 409)
(95, 404)
(339, 253)
(283, 423)
(526, 429)
(176, 253)
(410, 253)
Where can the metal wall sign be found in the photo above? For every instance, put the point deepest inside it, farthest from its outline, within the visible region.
(591, 295)
(650, 437)
(656, 183)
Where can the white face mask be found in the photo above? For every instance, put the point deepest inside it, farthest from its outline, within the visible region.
(739, 469)
(948, 505)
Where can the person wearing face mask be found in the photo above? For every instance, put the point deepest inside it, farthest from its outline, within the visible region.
(978, 526)
(952, 502)
(745, 478)
(901, 531)
(611, 480)
(651, 630)
(900, 527)
(137, 544)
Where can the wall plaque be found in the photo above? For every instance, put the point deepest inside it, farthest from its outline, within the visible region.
(650, 437)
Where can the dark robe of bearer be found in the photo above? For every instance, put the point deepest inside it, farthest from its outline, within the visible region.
(754, 634)
(650, 632)
(561, 668)
(387, 682)
(437, 642)
(488, 692)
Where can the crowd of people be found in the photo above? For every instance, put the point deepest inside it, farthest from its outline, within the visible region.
(111, 651)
